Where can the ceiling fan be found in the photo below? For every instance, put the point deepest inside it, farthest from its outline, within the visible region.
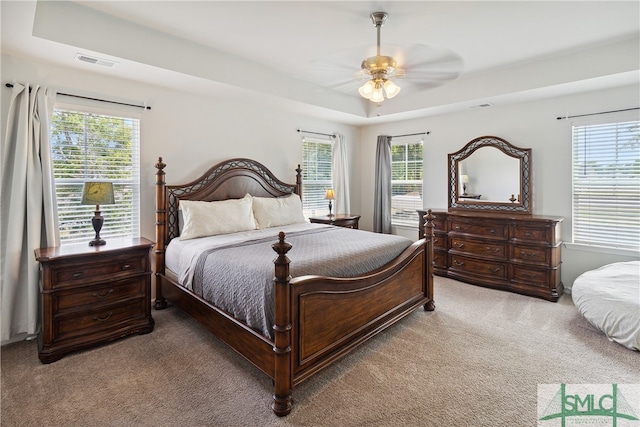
(418, 66)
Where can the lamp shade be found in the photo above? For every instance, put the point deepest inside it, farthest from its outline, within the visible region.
(465, 179)
(330, 194)
(391, 89)
(97, 193)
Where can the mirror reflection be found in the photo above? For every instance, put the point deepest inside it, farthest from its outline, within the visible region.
(489, 175)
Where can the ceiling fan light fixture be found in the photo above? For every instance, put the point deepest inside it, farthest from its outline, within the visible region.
(391, 89)
(366, 90)
(377, 95)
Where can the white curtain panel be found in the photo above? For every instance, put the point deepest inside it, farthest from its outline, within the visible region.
(28, 216)
(340, 170)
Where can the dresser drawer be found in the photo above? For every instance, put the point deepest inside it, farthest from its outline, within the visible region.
(498, 231)
(533, 234)
(105, 269)
(530, 254)
(477, 248)
(98, 321)
(479, 267)
(87, 298)
(530, 276)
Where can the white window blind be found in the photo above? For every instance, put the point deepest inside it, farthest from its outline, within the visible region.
(606, 185)
(316, 176)
(87, 146)
(406, 181)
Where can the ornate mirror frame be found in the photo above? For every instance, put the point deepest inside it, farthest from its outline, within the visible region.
(521, 203)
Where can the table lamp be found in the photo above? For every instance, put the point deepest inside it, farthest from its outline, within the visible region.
(97, 193)
(330, 196)
(465, 180)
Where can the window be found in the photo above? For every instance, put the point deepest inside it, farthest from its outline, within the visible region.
(406, 182)
(316, 176)
(87, 146)
(606, 185)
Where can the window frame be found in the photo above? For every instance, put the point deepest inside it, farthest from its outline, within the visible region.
(85, 231)
(313, 202)
(409, 218)
(583, 234)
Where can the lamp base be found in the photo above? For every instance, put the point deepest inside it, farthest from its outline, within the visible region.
(97, 242)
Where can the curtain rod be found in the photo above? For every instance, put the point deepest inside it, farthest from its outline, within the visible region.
(595, 114)
(411, 134)
(95, 99)
(317, 133)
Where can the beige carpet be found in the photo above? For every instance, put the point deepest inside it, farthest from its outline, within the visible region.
(475, 361)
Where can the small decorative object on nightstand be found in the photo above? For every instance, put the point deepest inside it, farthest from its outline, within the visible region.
(340, 220)
(330, 196)
(97, 193)
(93, 295)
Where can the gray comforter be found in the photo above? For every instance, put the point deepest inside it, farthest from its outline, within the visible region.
(238, 277)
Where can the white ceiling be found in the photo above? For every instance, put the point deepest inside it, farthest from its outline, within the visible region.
(511, 50)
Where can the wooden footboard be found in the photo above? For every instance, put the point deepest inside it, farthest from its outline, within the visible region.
(317, 319)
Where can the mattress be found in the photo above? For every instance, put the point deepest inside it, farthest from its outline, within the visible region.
(609, 298)
(235, 271)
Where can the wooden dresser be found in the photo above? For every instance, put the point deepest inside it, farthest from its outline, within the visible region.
(518, 253)
(92, 295)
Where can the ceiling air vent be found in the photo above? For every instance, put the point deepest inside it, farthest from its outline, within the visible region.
(93, 60)
(485, 105)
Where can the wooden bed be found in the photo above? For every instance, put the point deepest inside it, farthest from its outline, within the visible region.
(317, 319)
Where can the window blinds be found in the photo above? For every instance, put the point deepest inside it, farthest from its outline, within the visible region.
(316, 176)
(406, 182)
(88, 146)
(606, 185)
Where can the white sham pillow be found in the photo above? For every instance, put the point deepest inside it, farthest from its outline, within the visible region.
(211, 218)
(278, 211)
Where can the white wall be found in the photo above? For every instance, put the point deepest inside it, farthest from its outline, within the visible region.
(191, 132)
(528, 125)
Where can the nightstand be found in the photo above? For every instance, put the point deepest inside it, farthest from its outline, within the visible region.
(340, 220)
(93, 294)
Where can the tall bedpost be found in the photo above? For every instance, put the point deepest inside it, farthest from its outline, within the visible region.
(428, 251)
(161, 230)
(299, 181)
(282, 401)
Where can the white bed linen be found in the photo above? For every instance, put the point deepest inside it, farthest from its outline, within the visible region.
(180, 254)
(609, 298)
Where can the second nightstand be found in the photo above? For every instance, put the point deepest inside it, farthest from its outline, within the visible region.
(340, 220)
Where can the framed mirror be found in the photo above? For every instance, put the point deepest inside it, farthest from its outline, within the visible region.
(490, 174)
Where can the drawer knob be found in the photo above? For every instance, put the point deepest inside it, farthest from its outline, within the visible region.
(106, 294)
(457, 227)
(459, 245)
(492, 231)
(126, 266)
(529, 234)
(78, 275)
(103, 319)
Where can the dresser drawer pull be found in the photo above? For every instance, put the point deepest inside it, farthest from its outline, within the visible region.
(103, 319)
(494, 270)
(529, 276)
(457, 227)
(456, 262)
(529, 254)
(492, 231)
(459, 245)
(78, 275)
(436, 240)
(494, 250)
(529, 234)
(126, 266)
(106, 294)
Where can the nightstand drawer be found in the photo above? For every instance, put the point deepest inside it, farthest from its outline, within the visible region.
(104, 270)
(97, 321)
(86, 298)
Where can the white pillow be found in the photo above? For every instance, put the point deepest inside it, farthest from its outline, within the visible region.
(211, 218)
(275, 212)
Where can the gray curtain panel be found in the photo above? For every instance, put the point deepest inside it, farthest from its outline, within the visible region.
(382, 195)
